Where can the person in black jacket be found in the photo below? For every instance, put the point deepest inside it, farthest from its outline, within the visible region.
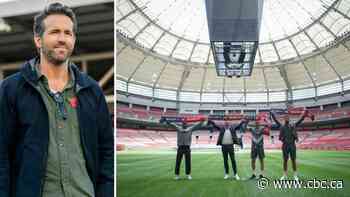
(228, 137)
(288, 135)
(56, 136)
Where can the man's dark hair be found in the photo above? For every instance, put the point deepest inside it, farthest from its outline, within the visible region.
(54, 8)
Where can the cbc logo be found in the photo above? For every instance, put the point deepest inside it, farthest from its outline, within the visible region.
(262, 183)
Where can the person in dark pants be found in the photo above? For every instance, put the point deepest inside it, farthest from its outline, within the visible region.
(288, 135)
(184, 140)
(228, 137)
(183, 150)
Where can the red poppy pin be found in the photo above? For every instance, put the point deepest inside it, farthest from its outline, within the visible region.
(73, 102)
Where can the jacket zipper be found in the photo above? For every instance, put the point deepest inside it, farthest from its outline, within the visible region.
(44, 160)
(82, 136)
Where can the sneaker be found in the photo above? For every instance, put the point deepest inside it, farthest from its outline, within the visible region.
(189, 177)
(177, 177)
(236, 177)
(283, 178)
(296, 178)
(252, 177)
(226, 176)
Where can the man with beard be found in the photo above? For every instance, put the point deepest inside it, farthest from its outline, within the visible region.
(56, 136)
(288, 135)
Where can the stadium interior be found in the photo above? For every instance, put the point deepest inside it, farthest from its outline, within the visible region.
(165, 68)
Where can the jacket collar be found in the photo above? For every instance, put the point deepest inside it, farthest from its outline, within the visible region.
(29, 73)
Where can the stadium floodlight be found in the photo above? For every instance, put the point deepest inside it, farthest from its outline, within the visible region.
(5, 1)
(234, 27)
(4, 26)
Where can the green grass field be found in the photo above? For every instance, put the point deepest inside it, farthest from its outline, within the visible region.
(150, 174)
